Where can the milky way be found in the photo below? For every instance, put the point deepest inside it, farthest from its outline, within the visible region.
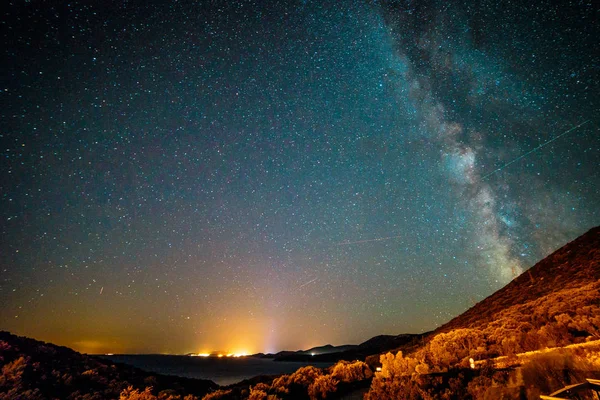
(254, 176)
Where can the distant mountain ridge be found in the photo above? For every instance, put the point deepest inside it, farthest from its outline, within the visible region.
(330, 353)
(314, 351)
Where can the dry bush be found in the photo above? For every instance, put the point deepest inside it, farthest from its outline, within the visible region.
(297, 382)
(281, 385)
(393, 389)
(129, 393)
(345, 371)
(257, 394)
(171, 394)
(305, 376)
(485, 388)
(134, 394)
(321, 386)
(12, 373)
(312, 382)
(448, 349)
(20, 394)
(395, 380)
(217, 394)
(546, 373)
(261, 386)
(261, 392)
(396, 366)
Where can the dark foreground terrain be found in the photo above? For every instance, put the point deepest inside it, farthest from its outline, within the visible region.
(36, 370)
(536, 335)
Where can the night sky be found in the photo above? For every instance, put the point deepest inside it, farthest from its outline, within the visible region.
(249, 176)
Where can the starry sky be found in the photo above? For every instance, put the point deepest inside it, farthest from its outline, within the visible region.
(191, 176)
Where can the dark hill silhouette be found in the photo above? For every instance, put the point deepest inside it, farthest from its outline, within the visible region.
(34, 370)
(374, 345)
(328, 348)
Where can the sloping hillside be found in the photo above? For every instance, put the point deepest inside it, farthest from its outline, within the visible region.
(531, 325)
(36, 370)
(555, 303)
(574, 265)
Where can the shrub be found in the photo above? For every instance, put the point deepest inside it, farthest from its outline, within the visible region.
(394, 381)
(257, 394)
(448, 349)
(134, 394)
(545, 373)
(12, 373)
(345, 371)
(217, 394)
(322, 385)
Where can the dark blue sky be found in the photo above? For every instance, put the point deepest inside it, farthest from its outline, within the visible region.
(191, 176)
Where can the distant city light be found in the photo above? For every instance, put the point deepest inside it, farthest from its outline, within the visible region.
(242, 354)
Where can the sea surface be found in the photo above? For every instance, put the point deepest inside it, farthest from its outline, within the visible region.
(223, 371)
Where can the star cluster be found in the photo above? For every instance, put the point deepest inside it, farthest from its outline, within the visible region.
(255, 176)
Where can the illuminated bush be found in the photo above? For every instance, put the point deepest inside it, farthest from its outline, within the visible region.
(394, 381)
(321, 386)
(305, 376)
(345, 371)
(261, 392)
(261, 386)
(545, 373)
(217, 394)
(449, 349)
(281, 385)
(297, 382)
(257, 394)
(134, 394)
(398, 365)
(13, 371)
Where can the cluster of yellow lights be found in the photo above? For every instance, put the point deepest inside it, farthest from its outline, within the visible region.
(220, 355)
